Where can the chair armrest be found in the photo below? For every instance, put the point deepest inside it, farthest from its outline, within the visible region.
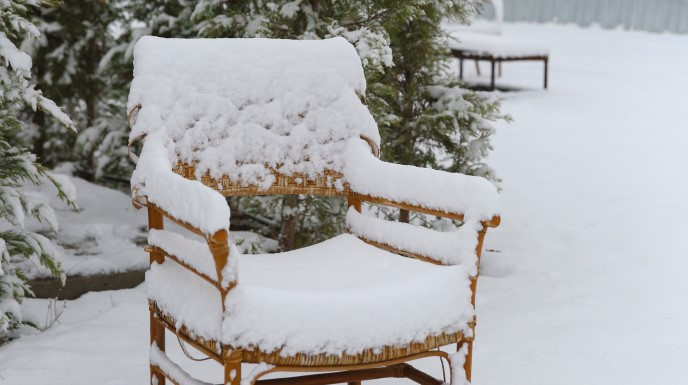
(187, 201)
(457, 247)
(466, 196)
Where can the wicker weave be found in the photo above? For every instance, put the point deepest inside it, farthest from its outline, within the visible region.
(368, 356)
(292, 184)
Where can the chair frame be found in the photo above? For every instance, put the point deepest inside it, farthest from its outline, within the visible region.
(387, 362)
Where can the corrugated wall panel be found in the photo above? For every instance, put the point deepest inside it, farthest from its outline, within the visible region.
(647, 15)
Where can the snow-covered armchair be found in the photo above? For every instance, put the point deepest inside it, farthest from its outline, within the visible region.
(226, 117)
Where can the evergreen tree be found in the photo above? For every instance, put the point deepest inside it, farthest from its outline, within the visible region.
(425, 117)
(18, 167)
(80, 62)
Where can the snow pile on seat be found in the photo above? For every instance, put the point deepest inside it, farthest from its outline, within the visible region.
(496, 46)
(340, 296)
(451, 248)
(239, 107)
(193, 253)
(475, 197)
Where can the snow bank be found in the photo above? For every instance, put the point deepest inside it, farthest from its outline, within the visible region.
(451, 248)
(496, 46)
(239, 107)
(473, 196)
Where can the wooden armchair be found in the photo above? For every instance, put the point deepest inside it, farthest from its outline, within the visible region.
(228, 117)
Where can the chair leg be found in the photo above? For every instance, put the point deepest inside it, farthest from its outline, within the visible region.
(157, 335)
(468, 363)
(233, 368)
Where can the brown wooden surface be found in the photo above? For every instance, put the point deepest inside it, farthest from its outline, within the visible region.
(186, 266)
(157, 331)
(494, 222)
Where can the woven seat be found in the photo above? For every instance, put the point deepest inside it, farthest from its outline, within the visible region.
(314, 299)
(257, 117)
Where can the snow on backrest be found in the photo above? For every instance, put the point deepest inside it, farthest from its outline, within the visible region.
(239, 107)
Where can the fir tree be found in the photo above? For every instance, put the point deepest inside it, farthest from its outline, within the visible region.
(18, 167)
(425, 117)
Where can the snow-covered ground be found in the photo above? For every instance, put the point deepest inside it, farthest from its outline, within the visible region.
(587, 277)
(107, 233)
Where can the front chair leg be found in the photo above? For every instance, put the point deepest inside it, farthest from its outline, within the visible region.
(157, 336)
(233, 368)
(468, 363)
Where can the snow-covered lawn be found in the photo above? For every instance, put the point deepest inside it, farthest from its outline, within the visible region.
(586, 279)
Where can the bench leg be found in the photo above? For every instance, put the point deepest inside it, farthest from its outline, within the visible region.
(492, 75)
(546, 65)
(461, 68)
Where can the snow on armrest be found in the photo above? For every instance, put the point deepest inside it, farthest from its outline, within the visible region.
(474, 197)
(450, 248)
(193, 253)
(186, 200)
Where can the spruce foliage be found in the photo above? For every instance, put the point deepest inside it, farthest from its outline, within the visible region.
(18, 168)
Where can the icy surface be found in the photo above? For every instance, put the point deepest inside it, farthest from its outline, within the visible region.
(503, 46)
(302, 301)
(475, 197)
(241, 106)
(451, 247)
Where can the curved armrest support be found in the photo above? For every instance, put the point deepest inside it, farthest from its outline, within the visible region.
(441, 193)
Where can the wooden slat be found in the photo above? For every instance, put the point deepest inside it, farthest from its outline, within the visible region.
(185, 265)
(183, 334)
(494, 222)
(405, 253)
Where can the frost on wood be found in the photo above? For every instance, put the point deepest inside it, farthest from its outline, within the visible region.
(239, 107)
(452, 247)
(159, 358)
(315, 290)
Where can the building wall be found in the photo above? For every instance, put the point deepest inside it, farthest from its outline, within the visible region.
(647, 15)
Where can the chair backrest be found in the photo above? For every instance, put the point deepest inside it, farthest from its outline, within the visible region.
(253, 116)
